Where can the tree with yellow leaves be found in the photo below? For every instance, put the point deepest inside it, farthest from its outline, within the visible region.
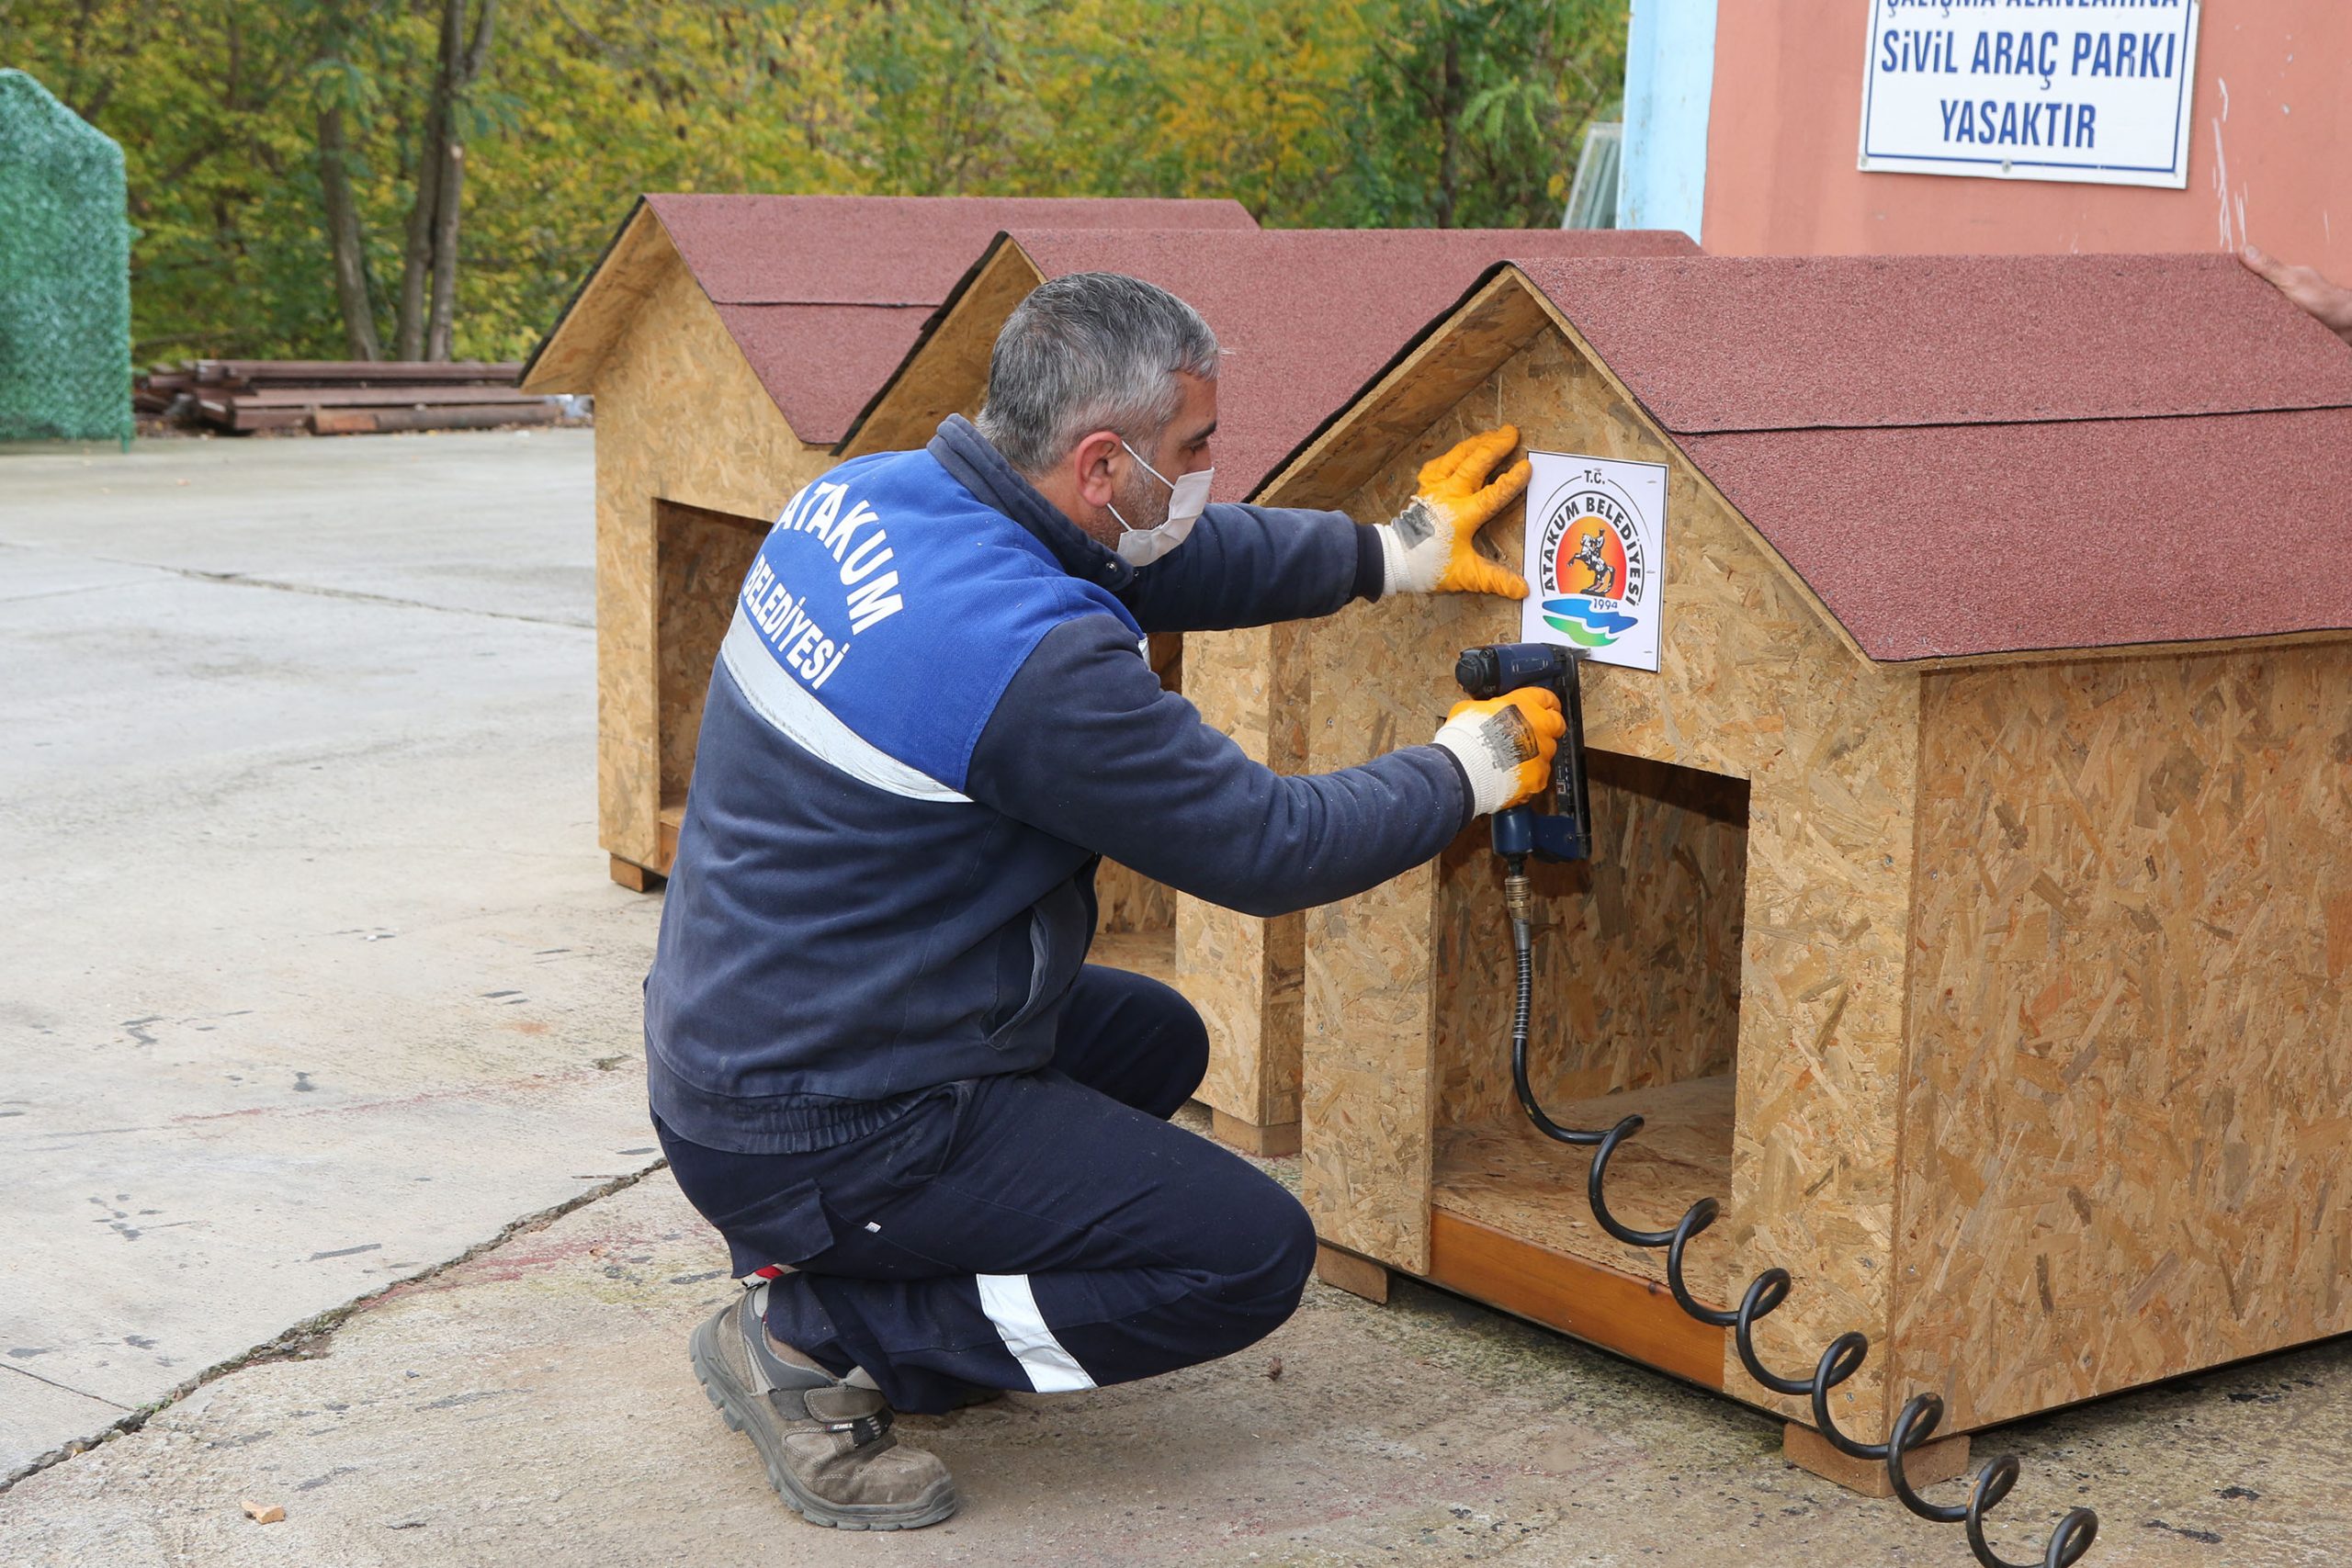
(431, 177)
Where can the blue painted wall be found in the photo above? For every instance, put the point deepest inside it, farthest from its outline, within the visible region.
(1669, 76)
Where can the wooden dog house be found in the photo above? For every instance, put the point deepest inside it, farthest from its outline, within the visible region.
(1972, 905)
(728, 340)
(1303, 317)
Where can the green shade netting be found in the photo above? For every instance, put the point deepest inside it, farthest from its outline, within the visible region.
(65, 273)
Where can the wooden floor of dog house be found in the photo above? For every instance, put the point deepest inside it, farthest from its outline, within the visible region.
(1510, 1225)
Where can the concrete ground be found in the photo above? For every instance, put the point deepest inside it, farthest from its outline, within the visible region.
(534, 1404)
(313, 975)
(311, 954)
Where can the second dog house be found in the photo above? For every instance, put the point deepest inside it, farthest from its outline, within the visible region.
(729, 340)
(1971, 910)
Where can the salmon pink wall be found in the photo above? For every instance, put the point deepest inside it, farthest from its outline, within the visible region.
(2269, 156)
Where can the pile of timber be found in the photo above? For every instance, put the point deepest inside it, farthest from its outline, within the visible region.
(340, 397)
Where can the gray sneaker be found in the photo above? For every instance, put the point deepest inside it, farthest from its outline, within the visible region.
(826, 1441)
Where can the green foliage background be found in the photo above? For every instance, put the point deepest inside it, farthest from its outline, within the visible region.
(1337, 112)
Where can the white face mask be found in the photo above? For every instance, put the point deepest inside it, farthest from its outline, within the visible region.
(1188, 495)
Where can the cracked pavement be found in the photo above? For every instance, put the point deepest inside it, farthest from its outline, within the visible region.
(308, 920)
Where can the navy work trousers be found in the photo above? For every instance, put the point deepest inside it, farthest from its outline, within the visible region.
(1041, 1231)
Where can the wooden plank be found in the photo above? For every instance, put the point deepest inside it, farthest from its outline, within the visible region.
(1246, 975)
(673, 817)
(355, 372)
(1278, 1142)
(239, 418)
(1924, 1466)
(634, 877)
(2335, 634)
(382, 397)
(1615, 1311)
(1124, 898)
(462, 417)
(1367, 1084)
(1344, 1271)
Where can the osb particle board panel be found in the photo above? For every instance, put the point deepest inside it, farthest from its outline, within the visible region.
(1127, 900)
(1637, 964)
(1505, 1174)
(679, 417)
(1379, 429)
(1367, 1082)
(702, 557)
(1754, 684)
(2129, 1121)
(1245, 974)
(571, 359)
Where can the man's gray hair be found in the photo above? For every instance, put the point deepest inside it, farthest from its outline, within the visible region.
(1091, 351)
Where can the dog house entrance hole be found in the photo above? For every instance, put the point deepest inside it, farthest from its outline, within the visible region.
(1637, 969)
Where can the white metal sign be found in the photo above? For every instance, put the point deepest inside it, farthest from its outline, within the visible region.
(1596, 557)
(2086, 90)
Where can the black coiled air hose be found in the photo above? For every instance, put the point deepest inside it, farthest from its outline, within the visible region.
(1517, 900)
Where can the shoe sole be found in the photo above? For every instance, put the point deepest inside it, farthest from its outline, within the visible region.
(730, 1399)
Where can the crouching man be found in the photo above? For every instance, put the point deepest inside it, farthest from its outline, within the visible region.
(878, 1061)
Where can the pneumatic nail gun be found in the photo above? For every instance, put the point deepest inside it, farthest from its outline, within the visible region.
(1563, 830)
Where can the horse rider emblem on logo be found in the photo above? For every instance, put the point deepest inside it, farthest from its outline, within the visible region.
(1591, 573)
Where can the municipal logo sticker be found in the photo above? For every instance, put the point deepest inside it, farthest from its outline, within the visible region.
(1596, 557)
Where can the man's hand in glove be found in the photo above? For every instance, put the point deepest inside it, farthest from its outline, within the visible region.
(1505, 745)
(1428, 549)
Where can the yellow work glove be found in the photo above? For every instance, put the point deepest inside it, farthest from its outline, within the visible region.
(1428, 549)
(1505, 745)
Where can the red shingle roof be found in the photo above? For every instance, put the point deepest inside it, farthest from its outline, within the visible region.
(1306, 315)
(1789, 342)
(1966, 455)
(821, 362)
(882, 250)
(826, 293)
